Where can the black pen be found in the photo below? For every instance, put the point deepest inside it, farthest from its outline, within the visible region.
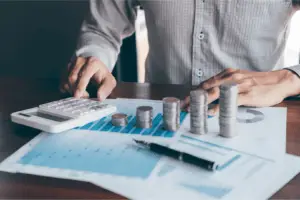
(184, 157)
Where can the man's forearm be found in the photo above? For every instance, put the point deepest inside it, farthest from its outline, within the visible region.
(292, 80)
(104, 28)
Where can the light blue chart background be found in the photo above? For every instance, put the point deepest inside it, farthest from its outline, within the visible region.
(122, 159)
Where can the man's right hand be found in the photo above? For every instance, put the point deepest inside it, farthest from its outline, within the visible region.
(83, 70)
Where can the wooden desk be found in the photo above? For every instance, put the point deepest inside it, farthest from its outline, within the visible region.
(17, 94)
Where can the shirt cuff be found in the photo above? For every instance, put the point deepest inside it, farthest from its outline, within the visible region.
(105, 55)
(295, 69)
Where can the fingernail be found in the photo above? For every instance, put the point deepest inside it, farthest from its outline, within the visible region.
(188, 109)
(101, 97)
(211, 113)
(182, 104)
(77, 94)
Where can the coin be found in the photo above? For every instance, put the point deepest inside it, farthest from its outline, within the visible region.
(198, 111)
(228, 109)
(171, 113)
(144, 115)
(119, 119)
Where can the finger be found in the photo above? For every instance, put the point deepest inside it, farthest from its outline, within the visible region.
(230, 75)
(185, 103)
(188, 109)
(216, 82)
(106, 87)
(213, 110)
(86, 74)
(74, 72)
(64, 88)
(211, 81)
(213, 94)
(85, 95)
(246, 85)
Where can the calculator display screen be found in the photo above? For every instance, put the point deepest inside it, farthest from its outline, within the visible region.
(49, 117)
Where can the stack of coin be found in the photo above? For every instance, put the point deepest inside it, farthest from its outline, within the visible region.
(119, 119)
(228, 110)
(198, 111)
(171, 113)
(144, 115)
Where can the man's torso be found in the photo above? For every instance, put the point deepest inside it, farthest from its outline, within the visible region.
(192, 40)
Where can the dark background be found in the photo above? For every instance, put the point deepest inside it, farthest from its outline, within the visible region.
(37, 39)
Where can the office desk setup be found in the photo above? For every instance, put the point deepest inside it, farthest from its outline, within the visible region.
(21, 93)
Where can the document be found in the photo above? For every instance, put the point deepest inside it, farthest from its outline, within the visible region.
(112, 160)
(261, 131)
(116, 163)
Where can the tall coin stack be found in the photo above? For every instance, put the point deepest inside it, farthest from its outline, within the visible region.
(144, 115)
(119, 119)
(228, 110)
(171, 113)
(198, 111)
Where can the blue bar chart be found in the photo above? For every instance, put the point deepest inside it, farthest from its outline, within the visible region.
(156, 130)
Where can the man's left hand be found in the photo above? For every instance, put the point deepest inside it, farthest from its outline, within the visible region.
(256, 89)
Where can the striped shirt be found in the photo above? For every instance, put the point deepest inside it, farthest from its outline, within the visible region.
(192, 40)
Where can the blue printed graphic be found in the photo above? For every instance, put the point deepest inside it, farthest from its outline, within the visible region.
(228, 163)
(212, 191)
(156, 130)
(56, 151)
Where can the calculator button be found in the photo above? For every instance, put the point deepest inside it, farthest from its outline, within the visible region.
(67, 109)
(51, 106)
(75, 111)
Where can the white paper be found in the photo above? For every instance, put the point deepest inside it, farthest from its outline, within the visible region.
(266, 138)
(248, 163)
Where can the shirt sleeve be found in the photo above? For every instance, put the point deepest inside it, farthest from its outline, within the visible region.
(295, 69)
(102, 32)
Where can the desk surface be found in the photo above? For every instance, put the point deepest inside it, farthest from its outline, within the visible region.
(18, 94)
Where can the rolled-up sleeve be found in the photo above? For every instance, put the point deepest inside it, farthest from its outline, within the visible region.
(102, 32)
(295, 69)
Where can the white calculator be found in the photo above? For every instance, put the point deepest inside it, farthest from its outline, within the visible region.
(62, 115)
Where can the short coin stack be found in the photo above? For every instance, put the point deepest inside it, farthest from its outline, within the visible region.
(198, 111)
(228, 110)
(171, 113)
(144, 115)
(119, 119)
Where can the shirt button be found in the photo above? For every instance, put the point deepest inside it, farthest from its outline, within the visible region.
(201, 36)
(199, 72)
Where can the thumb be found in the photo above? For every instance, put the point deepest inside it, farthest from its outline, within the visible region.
(213, 110)
(185, 103)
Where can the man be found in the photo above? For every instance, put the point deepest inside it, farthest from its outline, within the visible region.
(203, 43)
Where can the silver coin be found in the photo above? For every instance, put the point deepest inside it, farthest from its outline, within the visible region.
(171, 100)
(170, 110)
(119, 116)
(199, 131)
(228, 131)
(143, 125)
(119, 124)
(119, 119)
(198, 112)
(171, 113)
(198, 95)
(144, 118)
(228, 110)
(144, 110)
(171, 127)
